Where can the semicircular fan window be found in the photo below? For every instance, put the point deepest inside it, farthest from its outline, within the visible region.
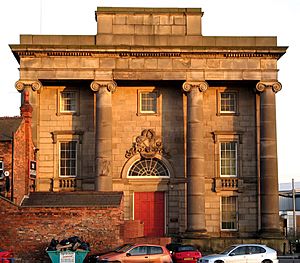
(149, 168)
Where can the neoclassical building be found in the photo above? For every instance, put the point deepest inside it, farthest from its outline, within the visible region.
(183, 124)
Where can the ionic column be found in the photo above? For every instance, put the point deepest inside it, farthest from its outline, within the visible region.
(268, 159)
(195, 158)
(103, 137)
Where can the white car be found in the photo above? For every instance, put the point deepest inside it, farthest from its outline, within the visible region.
(245, 253)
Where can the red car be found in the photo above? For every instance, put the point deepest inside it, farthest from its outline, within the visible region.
(6, 256)
(185, 254)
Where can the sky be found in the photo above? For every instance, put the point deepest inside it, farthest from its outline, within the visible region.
(279, 18)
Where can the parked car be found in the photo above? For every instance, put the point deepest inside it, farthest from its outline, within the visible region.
(255, 253)
(184, 253)
(6, 256)
(137, 253)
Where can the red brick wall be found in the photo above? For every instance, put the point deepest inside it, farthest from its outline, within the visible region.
(28, 231)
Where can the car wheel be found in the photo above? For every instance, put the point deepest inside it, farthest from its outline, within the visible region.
(219, 261)
(267, 261)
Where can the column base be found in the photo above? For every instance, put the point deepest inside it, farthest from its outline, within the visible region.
(270, 233)
(195, 234)
(104, 183)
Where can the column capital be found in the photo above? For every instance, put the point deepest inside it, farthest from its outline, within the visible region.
(202, 86)
(35, 85)
(275, 86)
(97, 85)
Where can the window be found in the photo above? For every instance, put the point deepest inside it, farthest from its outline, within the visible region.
(1, 166)
(228, 102)
(155, 250)
(148, 102)
(228, 159)
(141, 250)
(68, 158)
(229, 213)
(151, 167)
(256, 250)
(68, 101)
(239, 251)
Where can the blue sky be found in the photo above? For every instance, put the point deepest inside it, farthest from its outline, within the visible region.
(221, 18)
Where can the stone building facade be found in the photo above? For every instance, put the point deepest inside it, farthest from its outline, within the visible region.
(183, 124)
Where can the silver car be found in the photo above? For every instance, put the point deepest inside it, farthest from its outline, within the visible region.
(245, 253)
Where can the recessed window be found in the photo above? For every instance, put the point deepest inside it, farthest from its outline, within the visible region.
(1, 166)
(148, 102)
(68, 158)
(229, 213)
(228, 159)
(68, 101)
(228, 102)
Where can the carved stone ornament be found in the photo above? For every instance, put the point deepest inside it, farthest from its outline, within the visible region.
(22, 84)
(200, 85)
(147, 145)
(109, 85)
(261, 86)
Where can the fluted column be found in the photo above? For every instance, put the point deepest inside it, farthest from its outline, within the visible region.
(103, 137)
(268, 159)
(195, 158)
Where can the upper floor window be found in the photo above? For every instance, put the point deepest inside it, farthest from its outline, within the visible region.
(68, 101)
(68, 158)
(228, 159)
(148, 102)
(228, 102)
(229, 213)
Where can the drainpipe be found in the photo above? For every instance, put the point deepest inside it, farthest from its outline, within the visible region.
(12, 167)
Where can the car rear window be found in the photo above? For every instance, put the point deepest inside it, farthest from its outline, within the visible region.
(185, 248)
(155, 250)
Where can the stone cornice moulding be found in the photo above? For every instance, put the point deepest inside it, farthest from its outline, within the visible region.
(230, 53)
(202, 86)
(98, 85)
(262, 85)
(35, 85)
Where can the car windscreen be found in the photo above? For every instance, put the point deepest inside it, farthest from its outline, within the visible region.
(124, 248)
(227, 250)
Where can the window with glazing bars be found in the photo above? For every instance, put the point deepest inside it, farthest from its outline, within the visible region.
(68, 101)
(229, 213)
(228, 159)
(68, 158)
(148, 102)
(228, 102)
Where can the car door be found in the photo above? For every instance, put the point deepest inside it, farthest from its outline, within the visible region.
(138, 254)
(255, 254)
(156, 254)
(238, 255)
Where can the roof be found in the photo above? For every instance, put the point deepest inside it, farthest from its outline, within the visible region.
(73, 199)
(9, 125)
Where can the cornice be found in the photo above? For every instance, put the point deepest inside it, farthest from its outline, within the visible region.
(176, 53)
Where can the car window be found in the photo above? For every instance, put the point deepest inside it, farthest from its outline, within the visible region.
(155, 250)
(123, 248)
(185, 248)
(227, 250)
(256, 250)
(141, 250)
(239, 251)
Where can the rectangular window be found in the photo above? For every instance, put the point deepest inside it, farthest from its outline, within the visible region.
(229, 213)
(148, 102)
(228, 102)
(68, 101)
(228, 159)
(68, 158)
(1, 166)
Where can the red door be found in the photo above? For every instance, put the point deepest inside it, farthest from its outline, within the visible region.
(149, 207)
